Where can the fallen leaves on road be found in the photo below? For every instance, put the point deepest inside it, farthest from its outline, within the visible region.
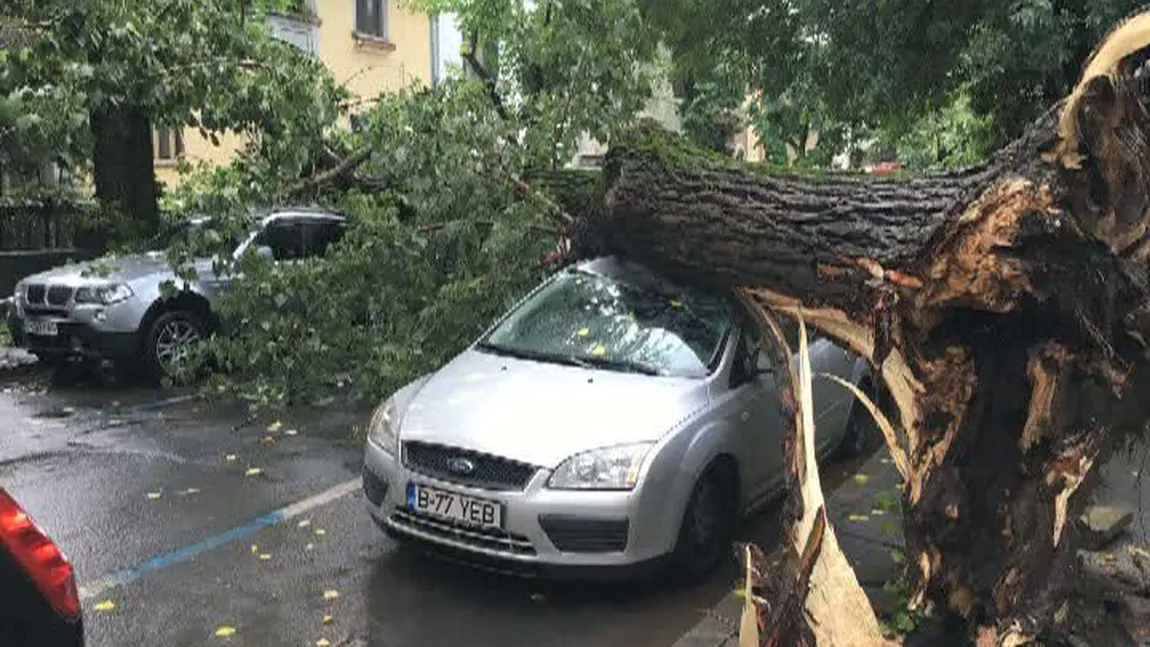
(155, 495)
(309, 546)
(322, 642)
(861, 479)
(106, 605)
(331, 594)
(878, 512)
(858, 517)
(304, 524)
(253, 471)
(230, 457)
(255, 549)
(191, 490)
(327, 620)
(225, 631)
(275, 426)
(291, 432)
(265, 557)
(320, 532)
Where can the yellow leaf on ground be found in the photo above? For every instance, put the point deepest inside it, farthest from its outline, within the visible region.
(291, 432)
(255, 549)
(861, 479)
(304, 524)
(322, 642)
(155, 495)
(675, 303)
(225, 631)
(192, 490)
(309, 546)
(253, 471)
(878, 512)
(320, 532)
(599, 350)
(331, 594)
(858, 517)
(106, 605)
(275, 426)
(230, 457)
(265, 556)
(327, 620)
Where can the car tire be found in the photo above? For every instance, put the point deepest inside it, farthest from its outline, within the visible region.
(168, 335)
(706, 529)
(861, 428)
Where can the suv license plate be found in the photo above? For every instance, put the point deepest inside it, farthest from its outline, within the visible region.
(40, 327)
(456, 507)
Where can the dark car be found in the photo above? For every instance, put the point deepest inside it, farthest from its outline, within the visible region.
(39, 602)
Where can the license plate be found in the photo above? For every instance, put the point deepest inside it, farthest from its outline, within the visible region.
(40, 327)
(453, 506)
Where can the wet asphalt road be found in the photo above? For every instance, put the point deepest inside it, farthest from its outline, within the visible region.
(120, 477)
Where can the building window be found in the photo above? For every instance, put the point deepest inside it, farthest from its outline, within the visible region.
(371, 18)
(169, 144)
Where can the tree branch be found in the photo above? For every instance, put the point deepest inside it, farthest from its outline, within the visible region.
(485, 75)
(330, 175)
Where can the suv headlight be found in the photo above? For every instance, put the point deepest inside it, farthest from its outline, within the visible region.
(384, 427)
(609, 468)
(103, 294)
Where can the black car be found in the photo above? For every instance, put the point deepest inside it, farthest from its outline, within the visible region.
(39, 602)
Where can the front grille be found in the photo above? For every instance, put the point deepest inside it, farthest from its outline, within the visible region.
(489, 538)
(59, 295)
(583, 535)
(36, 293)
(41, 311)
(487, 472)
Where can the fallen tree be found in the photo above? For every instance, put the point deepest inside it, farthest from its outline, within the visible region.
(1005, 307)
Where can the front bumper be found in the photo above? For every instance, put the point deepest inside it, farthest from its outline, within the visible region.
(74, 339)
(550, 533)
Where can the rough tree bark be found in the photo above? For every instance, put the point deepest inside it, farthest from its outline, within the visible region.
(123, 170)
(1005, 307)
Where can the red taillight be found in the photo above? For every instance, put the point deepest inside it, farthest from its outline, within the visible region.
(39, 557)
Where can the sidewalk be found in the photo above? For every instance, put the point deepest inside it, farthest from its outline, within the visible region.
(865, 515)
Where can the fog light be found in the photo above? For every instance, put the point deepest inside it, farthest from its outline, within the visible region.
(100, 316)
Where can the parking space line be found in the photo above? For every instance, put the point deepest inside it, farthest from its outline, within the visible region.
(239, 532)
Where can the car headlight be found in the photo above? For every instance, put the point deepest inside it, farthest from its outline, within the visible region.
(384, 428)
(609, 468)
(103, 294)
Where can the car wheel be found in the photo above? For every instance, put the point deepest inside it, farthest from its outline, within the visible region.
(706, 529)
(861, 427)
(171, 338)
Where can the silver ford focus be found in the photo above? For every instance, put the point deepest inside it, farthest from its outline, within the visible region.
(611, 421)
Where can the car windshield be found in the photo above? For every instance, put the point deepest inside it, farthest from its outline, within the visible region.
(195, 231)
(592, 320)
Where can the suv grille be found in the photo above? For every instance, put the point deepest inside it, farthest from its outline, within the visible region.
(36, 293)
(583, 535)
(59, 295)
(487, 472)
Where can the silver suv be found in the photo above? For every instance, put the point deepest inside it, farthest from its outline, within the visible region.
(116, 308)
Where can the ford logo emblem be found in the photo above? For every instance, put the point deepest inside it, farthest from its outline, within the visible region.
(460, 465)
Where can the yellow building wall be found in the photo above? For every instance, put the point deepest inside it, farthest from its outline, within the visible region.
(366, 65)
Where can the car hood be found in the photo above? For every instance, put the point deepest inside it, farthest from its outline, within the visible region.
(541, 413)
(114, 268)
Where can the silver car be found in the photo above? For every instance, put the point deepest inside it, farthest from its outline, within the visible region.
(116, 308)
(610, 419)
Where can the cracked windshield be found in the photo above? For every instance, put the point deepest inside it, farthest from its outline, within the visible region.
(414, 323)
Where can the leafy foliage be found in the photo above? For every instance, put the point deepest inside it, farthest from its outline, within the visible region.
(435, 253)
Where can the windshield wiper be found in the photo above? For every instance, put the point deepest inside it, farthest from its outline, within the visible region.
(621, 365)
(522, 353)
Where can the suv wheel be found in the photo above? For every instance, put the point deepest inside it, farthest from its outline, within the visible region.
(170, 339)
(706, 530)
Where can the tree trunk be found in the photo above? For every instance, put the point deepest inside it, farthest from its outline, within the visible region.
(1005, 307)
(123, 173)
